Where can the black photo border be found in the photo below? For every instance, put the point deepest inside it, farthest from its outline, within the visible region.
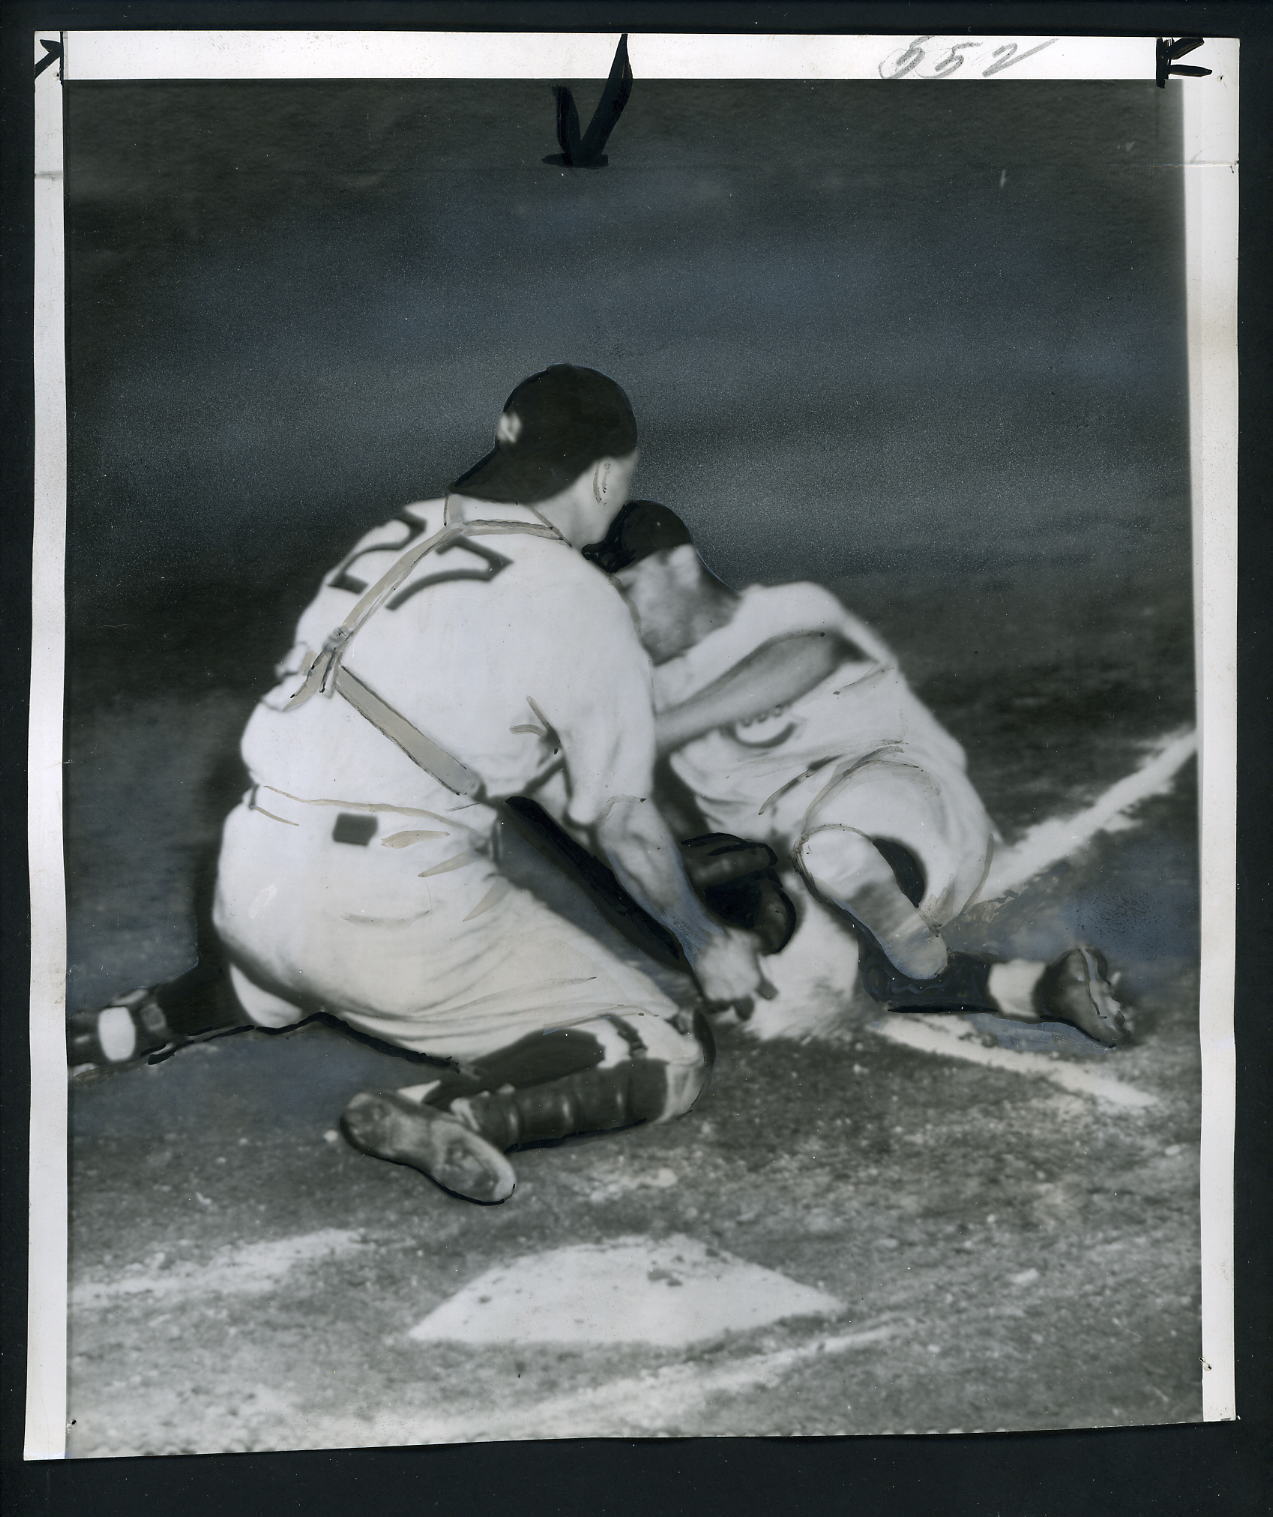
(1218, 1468)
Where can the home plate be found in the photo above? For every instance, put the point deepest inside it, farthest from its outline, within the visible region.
(667, 1292)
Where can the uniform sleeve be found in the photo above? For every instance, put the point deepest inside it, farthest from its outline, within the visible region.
(766, 614)
(793, 610)
(598, 700)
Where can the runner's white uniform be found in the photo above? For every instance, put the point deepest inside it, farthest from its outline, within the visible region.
(859, 750)
(352, 881)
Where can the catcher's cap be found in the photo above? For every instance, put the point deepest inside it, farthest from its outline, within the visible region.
(554, 426)
(642, 527)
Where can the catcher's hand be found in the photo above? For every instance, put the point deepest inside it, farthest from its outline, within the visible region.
(728, 972)
(738, 882)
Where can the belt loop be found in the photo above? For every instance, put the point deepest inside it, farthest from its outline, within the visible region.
(354, 827)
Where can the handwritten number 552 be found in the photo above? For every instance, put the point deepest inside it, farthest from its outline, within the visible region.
(946, 65)
(912, 57)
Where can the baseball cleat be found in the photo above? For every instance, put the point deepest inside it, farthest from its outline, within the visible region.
(910, 944)
(872, 893)
(1076, 988)
(131, 1030)
(388, 1126)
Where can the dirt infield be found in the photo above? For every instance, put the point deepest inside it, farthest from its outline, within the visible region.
(1005, 1253)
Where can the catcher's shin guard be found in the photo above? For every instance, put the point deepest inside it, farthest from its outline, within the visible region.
(614, 1073)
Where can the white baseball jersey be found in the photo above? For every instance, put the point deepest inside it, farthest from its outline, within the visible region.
(507, 650)
(758, 777)
(353, 881)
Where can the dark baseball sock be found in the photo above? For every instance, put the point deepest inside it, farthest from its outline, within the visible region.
(201, 1001)
(964, 984)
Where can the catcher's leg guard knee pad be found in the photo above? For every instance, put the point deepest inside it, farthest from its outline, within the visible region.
(673, 1067)
(623, 1070)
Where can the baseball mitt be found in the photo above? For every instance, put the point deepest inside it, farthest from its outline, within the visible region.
(738, 882)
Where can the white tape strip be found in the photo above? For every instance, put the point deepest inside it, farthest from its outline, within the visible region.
(1060, 837)
(588, 55)
(47, 1233)
(951, 1037)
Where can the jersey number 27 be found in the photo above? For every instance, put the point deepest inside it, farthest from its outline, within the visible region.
(491, 563)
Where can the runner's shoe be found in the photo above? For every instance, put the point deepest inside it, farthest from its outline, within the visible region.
(1076, 988)
(389, 1126)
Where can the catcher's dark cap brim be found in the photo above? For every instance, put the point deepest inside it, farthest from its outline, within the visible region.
(554, 426)
(528, 478)
(642, 527)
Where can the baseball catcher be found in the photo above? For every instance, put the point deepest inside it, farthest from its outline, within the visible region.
(454, 657)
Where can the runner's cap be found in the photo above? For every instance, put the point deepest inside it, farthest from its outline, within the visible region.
(642, 527)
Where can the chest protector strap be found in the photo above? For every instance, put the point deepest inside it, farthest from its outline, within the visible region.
(328, 675)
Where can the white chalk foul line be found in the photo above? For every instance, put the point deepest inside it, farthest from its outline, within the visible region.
(951, 1038)
(636, 1405)
(230, 1271)
(1056, 839)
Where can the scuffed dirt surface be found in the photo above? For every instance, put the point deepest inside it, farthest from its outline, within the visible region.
(1031, 1253)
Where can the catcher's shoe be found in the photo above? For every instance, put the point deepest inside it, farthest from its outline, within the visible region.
(388, 1126)
(1076, 988)
(131, 1030)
